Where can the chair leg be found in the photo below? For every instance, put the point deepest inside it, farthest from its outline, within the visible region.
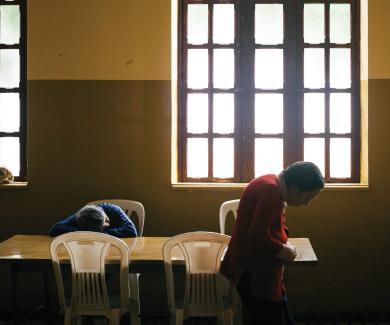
(237, 318)
(177, 318)
(237, 307)
(227, 317)
(79, 320)
(172, 320)
(67, 317)
(134, 318)
(134, 290)
(114, 317)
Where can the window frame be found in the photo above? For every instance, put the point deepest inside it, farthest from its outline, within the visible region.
(22, 89)
(244, 89)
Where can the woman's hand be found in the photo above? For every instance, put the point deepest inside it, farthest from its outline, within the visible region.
(287, 253)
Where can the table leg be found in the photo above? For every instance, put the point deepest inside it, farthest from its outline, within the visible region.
(46, 285)
(14, 288)
(42, 311)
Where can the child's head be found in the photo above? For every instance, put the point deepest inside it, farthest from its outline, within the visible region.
(92, 218)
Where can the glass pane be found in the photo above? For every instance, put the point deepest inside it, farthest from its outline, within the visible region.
(269, 68)
(198, 15)
(223, 117)
(223, 68)
(10, 154)
(198, 70)
(340, 68)
(223, 163)
(314, 151)
(9, 67)
(268, 156)
(9, 24)
(314, 62)
(197, 157)
(340, 113)
(197, 113)
(314, 23)
(9, 112)
(340, 158)
(340, 23)
(269, 24)
(314, 113)
(269, 113)
(223, 24)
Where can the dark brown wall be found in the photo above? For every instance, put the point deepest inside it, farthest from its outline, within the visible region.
(111, 139)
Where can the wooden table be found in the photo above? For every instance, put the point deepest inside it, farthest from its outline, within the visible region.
(31, 253)
(145, 251)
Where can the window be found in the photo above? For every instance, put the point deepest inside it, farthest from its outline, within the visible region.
(13, 87)
(265, 83)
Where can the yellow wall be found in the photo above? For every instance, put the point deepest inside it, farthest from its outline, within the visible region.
(99, 39)
(378, 39)
(130, 39)
(101, 128)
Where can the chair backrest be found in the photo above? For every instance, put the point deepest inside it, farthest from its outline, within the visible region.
(226, 207)
(87, 252)
(202, 252)
(128, 206)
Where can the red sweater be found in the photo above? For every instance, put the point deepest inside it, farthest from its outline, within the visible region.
(258, 236)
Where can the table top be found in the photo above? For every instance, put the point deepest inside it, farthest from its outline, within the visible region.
(21, 248)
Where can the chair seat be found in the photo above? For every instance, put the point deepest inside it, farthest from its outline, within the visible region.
(114, 300)
(227, 302)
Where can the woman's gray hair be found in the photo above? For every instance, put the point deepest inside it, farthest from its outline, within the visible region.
(90, 218)
(305, 175)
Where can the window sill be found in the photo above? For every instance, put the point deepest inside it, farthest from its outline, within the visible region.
(240, 186)
(14, 186)
(208, 186)
(347, 187)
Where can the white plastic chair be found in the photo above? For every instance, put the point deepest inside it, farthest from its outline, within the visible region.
(129, 206)
(87, 253)
(224, 210)
(202, 252)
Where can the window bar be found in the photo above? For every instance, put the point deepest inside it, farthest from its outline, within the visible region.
(183, 91)
(293, 91)
(210, 92)
(327, 90)
(355, 98)
(238, 95)
(23, 91)
(247, 108)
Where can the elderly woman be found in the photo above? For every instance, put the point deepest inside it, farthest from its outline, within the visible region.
(105, 217)
(258, 250)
